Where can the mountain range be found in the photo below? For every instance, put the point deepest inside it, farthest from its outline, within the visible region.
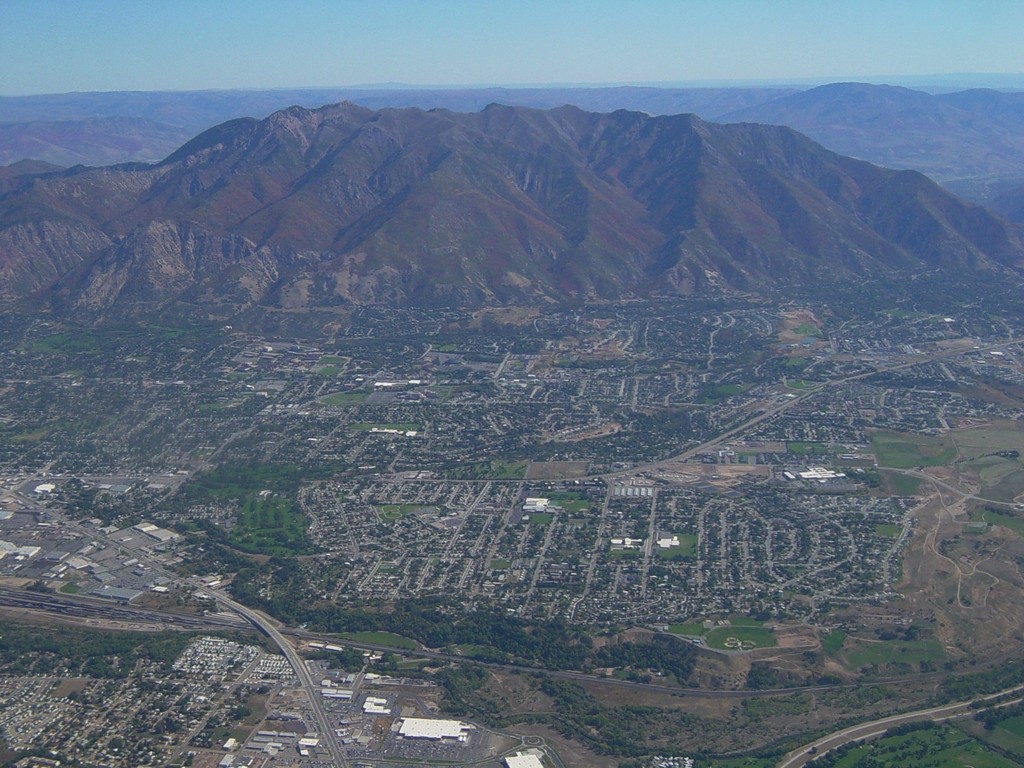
(344, 204)
(969, 141)
(87, 128)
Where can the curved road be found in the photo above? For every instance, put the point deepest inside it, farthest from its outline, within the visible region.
(964, 495)
(104, 609)
(875, 728)
(795, 760)
(301, 672)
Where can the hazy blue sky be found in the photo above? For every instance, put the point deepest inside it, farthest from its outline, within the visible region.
(51, 46)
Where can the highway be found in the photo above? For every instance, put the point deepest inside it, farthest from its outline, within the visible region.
(298, 666)
(104, 610)
(79, 606)
(91, 608)
(260, 622)
(100, 610)
(953, 489)
(875, 728)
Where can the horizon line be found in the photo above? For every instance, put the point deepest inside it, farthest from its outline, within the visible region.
(925, 79)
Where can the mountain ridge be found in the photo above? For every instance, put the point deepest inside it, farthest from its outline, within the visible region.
(968, 140)
(343, 204)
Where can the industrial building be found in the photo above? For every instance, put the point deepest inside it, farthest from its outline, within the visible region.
(434, 730)
(375, 705)
(529, 759)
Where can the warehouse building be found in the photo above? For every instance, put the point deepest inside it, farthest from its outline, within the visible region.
(434, 730)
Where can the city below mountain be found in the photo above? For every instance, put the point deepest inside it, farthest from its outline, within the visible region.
(622, 385)
(344, 204)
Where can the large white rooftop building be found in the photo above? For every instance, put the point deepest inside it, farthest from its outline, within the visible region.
(524, 760)
(375, 705)
(435, 730)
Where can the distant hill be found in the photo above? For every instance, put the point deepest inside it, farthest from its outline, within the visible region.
(198, 110)
(118, 127)
(90, 141)
(348, 205)
(972, 141)
(1010, 203)
(22, 172)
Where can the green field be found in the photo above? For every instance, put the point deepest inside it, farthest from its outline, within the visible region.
(833, 642)
(30, 436)
(500, 564)
(569, 501)
(904, 451)
(112, 340)
(69, 342)
(398, 511)
(507, 470)
(1001, 478)
(344, 398)
(713, 393)
(686, 550)
(1015, 524)
(902, 485)
(541, 518)
(270, 526)
(993, 470)
(884, 653)
(624, 554)
(415, 664)
(328, 371)
(488, 470)
(389, 639)
(1008, 735)
(71, 588)
(747, 638)
(888, 530)
(942, 746)
(992, 453)
(985, 440)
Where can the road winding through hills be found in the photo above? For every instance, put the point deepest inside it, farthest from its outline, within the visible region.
(875, 728)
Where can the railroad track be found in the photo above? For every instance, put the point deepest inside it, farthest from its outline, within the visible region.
(94, 608)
